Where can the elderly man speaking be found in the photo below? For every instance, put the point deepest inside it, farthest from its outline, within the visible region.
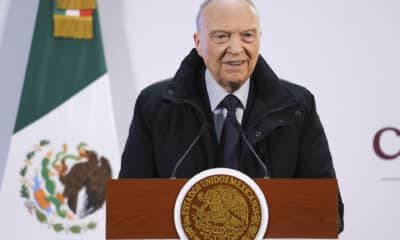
(225, 107)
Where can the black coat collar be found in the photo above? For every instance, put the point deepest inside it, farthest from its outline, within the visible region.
(267, 92)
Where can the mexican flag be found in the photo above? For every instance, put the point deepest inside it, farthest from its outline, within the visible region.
(64, 145)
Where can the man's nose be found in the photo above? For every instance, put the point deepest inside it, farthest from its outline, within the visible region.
(235, 45)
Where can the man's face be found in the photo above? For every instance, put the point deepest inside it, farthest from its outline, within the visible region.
(229, 41)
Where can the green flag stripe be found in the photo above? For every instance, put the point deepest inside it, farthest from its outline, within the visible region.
(59, 11)
(57, 68)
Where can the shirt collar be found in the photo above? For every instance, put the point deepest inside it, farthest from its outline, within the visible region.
(216, 93)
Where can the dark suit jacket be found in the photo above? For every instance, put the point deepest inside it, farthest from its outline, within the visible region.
(280, 121)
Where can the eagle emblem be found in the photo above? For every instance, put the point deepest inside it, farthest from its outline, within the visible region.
(222, 211)
(220, 204)
(63, 188)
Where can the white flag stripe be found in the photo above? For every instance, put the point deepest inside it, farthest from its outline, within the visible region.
(73, 12)
(86, 117)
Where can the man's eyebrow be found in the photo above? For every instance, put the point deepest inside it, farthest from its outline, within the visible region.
(225, 31)
(219, 31)
(251, 30)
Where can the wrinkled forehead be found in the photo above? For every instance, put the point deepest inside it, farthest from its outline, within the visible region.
(230, 15)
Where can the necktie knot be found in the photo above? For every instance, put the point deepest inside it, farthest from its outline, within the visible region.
(230, 102)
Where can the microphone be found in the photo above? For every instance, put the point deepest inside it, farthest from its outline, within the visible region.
(178, 163)
(239, 128)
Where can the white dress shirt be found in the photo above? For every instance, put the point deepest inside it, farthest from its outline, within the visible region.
(216, 93)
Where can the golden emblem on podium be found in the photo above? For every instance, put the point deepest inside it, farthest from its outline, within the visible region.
(221, 204)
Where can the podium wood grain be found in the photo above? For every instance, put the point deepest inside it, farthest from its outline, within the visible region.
(298, 208)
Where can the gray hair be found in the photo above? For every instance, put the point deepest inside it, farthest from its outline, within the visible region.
(205, 4)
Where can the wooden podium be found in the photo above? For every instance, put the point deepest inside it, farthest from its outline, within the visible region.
(298, 208)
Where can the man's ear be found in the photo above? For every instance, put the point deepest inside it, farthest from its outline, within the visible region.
(196, 39)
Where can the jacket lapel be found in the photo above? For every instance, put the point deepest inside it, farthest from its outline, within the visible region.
(267, 96)
(188, 87)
